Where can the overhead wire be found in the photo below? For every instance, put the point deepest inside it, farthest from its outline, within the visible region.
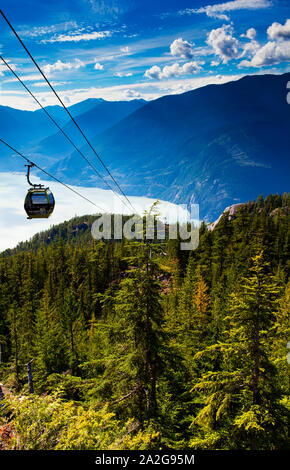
(49, 174)
(64, 106)
(59, 127)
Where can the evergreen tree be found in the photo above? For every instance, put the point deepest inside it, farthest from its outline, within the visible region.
(137, 335)
(243, 406)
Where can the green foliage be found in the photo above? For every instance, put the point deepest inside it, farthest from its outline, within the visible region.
(245, 394)
(48, 423)
(141, 346)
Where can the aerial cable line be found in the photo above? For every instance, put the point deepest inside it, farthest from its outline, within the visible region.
(59, 127)
(48, 114)
(48, 174)
(64, 106)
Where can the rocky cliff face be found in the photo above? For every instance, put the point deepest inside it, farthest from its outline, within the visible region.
(231, 211)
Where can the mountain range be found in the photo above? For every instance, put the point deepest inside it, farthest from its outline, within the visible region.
(216, 145)
(33, 133)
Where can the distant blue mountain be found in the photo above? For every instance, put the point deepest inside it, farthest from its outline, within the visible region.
(23, 127)
(94, 117)
(33, 133)
(215, 145)
(61, 116)
(84, 106)
(27, 127)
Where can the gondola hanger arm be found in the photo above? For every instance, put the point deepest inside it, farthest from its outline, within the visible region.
(30, 165)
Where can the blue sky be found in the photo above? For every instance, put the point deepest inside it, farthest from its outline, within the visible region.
(129, 49)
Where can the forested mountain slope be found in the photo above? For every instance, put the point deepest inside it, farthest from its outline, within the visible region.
(178, 349)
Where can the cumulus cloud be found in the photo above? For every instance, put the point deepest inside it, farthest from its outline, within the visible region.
(250, 34)
(273, 52)
(181, 48)
(173, 70)
(191, 67)
(270, 54)
(154, 73)
(224, 44)
(250, 48)
(279, 31)
(98, 66)
(73, 37)
(59, 66)
(131, 93)
(219, 10)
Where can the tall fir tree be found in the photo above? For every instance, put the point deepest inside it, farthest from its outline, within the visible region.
(243, 400)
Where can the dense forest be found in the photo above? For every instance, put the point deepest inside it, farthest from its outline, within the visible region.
(144, 346)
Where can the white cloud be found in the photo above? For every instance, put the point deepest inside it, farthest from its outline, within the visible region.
(273, 52)
(131, 93)
(123, 74)
(270, 54)
(107, 8)
(149, 90)
(72, 37)
(214, 63)
(191, 67)
(154, 72)
(250, 48)
(27, 78)
(59, 66)
(250, 34)
(181, 48)
(173, 70)
(170, 71)
(218, 10)
(125, 50)
(279, 31)
(43, 30)
(44, 84)
(3, 68)
(223, 43)
(98, 66)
